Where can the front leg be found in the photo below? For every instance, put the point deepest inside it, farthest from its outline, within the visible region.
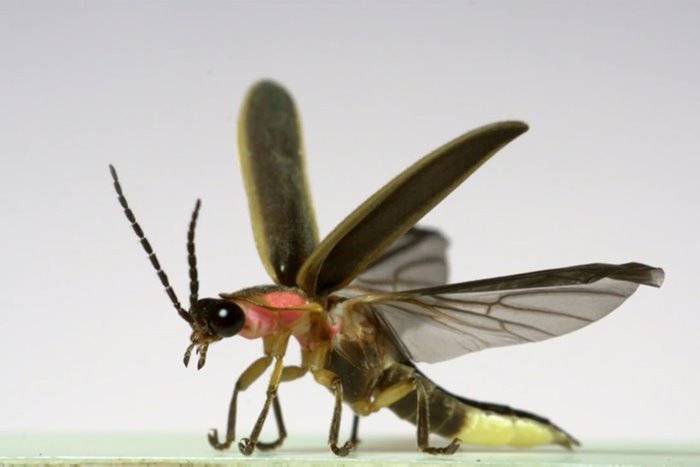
(289, 373)
(248, 377)
(245, 380)
(274, 346)
(247, 445)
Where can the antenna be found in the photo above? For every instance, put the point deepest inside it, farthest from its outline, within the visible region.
(192, 256)
(194, 285)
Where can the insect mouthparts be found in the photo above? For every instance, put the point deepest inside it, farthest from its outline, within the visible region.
(188, 353)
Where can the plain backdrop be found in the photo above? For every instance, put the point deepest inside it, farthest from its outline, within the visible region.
(608, 172)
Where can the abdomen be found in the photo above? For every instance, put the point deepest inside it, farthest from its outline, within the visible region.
(474, 422)
(369, 366)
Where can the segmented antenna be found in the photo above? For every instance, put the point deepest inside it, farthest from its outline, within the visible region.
(149, 251)
(192, 256)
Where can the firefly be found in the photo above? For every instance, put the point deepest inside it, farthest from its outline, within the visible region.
(371, 299)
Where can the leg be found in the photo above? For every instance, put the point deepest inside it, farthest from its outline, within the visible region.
(423, 421)
(247, 445)
(330, 380)
(289, 373)
(281, 429)
(355, 424)
(248, 377)
(385, 398)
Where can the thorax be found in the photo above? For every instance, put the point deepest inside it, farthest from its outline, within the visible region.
(360, 352)
(281, 311)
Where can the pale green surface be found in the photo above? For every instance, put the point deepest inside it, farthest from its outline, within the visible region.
(193, 450)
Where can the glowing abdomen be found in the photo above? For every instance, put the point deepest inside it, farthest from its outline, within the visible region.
(481, 427)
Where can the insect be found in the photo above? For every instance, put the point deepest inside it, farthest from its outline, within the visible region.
(370, 300)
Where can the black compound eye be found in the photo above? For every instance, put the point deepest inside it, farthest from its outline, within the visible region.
(225, 318)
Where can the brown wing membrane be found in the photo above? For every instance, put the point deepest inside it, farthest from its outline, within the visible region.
(440, 323)
(416, 259)
(272, 162)
(359, 239)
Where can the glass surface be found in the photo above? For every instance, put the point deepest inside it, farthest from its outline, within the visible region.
(158, 449)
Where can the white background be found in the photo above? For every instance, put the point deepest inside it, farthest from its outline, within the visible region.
(608, 172)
